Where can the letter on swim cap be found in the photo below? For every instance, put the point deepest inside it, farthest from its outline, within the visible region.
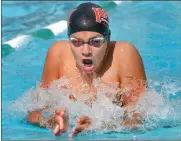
(100, 13)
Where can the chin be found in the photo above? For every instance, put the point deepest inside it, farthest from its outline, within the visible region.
(91, 71)
(88, 72)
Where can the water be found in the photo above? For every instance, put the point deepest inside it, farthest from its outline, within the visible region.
(153, 27)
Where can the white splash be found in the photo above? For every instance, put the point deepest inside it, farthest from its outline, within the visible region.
(105, 115)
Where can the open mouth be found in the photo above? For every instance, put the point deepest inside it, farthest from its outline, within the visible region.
(88, 64)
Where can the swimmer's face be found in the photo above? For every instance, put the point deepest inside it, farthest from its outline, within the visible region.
(89, 49)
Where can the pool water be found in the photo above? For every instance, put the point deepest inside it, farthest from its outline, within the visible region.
(153, 27)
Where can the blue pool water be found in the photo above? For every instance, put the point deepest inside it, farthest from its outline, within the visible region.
(153, 27)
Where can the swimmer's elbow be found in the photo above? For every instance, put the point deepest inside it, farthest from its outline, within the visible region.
(34, 117)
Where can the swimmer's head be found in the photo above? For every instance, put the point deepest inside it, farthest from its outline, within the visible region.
(88, 17)
(88, 31)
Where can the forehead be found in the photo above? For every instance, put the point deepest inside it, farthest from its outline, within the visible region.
(85, 35)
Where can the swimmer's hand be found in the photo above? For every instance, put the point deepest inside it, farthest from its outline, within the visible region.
(62, 122)
(83, 122)
(58, 122)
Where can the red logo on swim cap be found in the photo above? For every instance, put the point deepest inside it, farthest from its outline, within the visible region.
(101, 15)
(70, 16)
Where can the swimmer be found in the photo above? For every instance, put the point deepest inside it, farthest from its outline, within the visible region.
(90, 53)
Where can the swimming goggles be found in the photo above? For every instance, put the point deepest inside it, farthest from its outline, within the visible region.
(95, 42)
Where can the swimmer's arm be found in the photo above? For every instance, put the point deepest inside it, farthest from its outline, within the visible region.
(51, 66)
(50, 73)
(132, 81)
(131, 73)
(36, 118)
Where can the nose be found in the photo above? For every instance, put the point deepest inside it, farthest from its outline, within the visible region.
(86, 50)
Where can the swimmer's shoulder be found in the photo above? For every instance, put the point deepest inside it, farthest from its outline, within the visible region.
(125, 53)
(128, 60)
(59, 49)
(123, 50)
(119, 46)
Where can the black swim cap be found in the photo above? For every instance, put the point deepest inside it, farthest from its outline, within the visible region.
(88, 17)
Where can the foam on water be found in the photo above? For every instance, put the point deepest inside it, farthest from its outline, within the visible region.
(157, 110)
